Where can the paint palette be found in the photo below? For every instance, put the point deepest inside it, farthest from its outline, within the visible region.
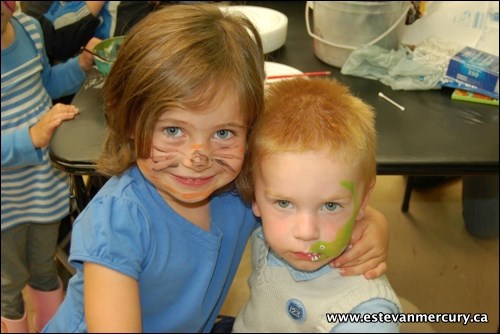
(108, 49)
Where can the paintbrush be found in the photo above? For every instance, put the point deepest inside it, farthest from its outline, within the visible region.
(94, 54)
(305, 74)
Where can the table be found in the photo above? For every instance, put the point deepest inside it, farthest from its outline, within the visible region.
(433, 136)
(77, 144)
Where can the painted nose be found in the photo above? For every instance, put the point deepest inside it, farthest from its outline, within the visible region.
(306, 227)
(198, 161)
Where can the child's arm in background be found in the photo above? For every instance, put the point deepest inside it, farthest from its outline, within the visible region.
(85, 59)
(22, 146)
(42, 131)
(112, 301)
(66, 25)
(367, 252)
(67, 78)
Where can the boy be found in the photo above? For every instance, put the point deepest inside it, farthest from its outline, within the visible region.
(312, 167)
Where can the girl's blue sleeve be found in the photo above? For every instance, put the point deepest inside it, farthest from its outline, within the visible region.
(113, 232)
(18, 150)
(62, 79)
(373, 306)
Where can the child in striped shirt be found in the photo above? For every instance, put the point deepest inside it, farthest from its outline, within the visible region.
(35, 195)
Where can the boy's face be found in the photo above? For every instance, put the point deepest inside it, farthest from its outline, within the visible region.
(195, 153)
(308, 203)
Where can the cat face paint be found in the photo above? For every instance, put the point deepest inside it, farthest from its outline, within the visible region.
(199, 161)
(195, 153)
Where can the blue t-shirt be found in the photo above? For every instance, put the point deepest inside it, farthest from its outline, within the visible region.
(184, 272)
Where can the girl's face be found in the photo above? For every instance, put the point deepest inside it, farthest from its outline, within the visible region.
(308, 203)
(194, 153)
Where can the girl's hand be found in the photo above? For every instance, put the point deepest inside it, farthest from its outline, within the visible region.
(42, 132)
(367, 253)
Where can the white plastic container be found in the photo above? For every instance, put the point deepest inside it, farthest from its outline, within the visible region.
(271, 24)
(342, 26)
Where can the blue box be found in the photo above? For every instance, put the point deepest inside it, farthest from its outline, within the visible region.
(474, 70)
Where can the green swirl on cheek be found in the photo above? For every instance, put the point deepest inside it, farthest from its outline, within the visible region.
(334, 248)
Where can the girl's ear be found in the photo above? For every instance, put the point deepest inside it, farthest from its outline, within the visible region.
(365, 201)
(255, 209)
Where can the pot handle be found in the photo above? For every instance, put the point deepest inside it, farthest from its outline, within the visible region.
(310, 6)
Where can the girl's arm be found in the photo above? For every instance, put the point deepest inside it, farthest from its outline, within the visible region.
(111, 299)
(367, 252)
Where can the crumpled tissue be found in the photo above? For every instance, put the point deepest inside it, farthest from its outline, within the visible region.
(394, 68)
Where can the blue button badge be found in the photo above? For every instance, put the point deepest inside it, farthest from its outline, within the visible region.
(296, 310)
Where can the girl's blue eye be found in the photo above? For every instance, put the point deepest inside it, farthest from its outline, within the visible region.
(223, 134)
(331, 206)
(173, 131)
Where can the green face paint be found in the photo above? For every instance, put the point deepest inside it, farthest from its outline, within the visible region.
(322, 249)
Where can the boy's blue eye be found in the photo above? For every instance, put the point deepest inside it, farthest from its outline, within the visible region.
(283, 204)
(223, 134)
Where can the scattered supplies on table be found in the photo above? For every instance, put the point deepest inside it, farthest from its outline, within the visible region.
(452, 44)
(404, 69)
(391, 101)
(333, 23)
(462, 95)
(473, 70)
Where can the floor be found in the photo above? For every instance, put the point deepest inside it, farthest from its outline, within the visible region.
(433, 261)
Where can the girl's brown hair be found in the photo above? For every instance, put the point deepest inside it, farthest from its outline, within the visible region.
(180, 56)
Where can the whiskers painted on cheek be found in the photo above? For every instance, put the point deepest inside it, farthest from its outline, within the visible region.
(163, 160)
(164, 152)
(224, 159)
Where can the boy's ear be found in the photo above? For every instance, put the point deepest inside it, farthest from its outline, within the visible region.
(365, 201)
(255, 209)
